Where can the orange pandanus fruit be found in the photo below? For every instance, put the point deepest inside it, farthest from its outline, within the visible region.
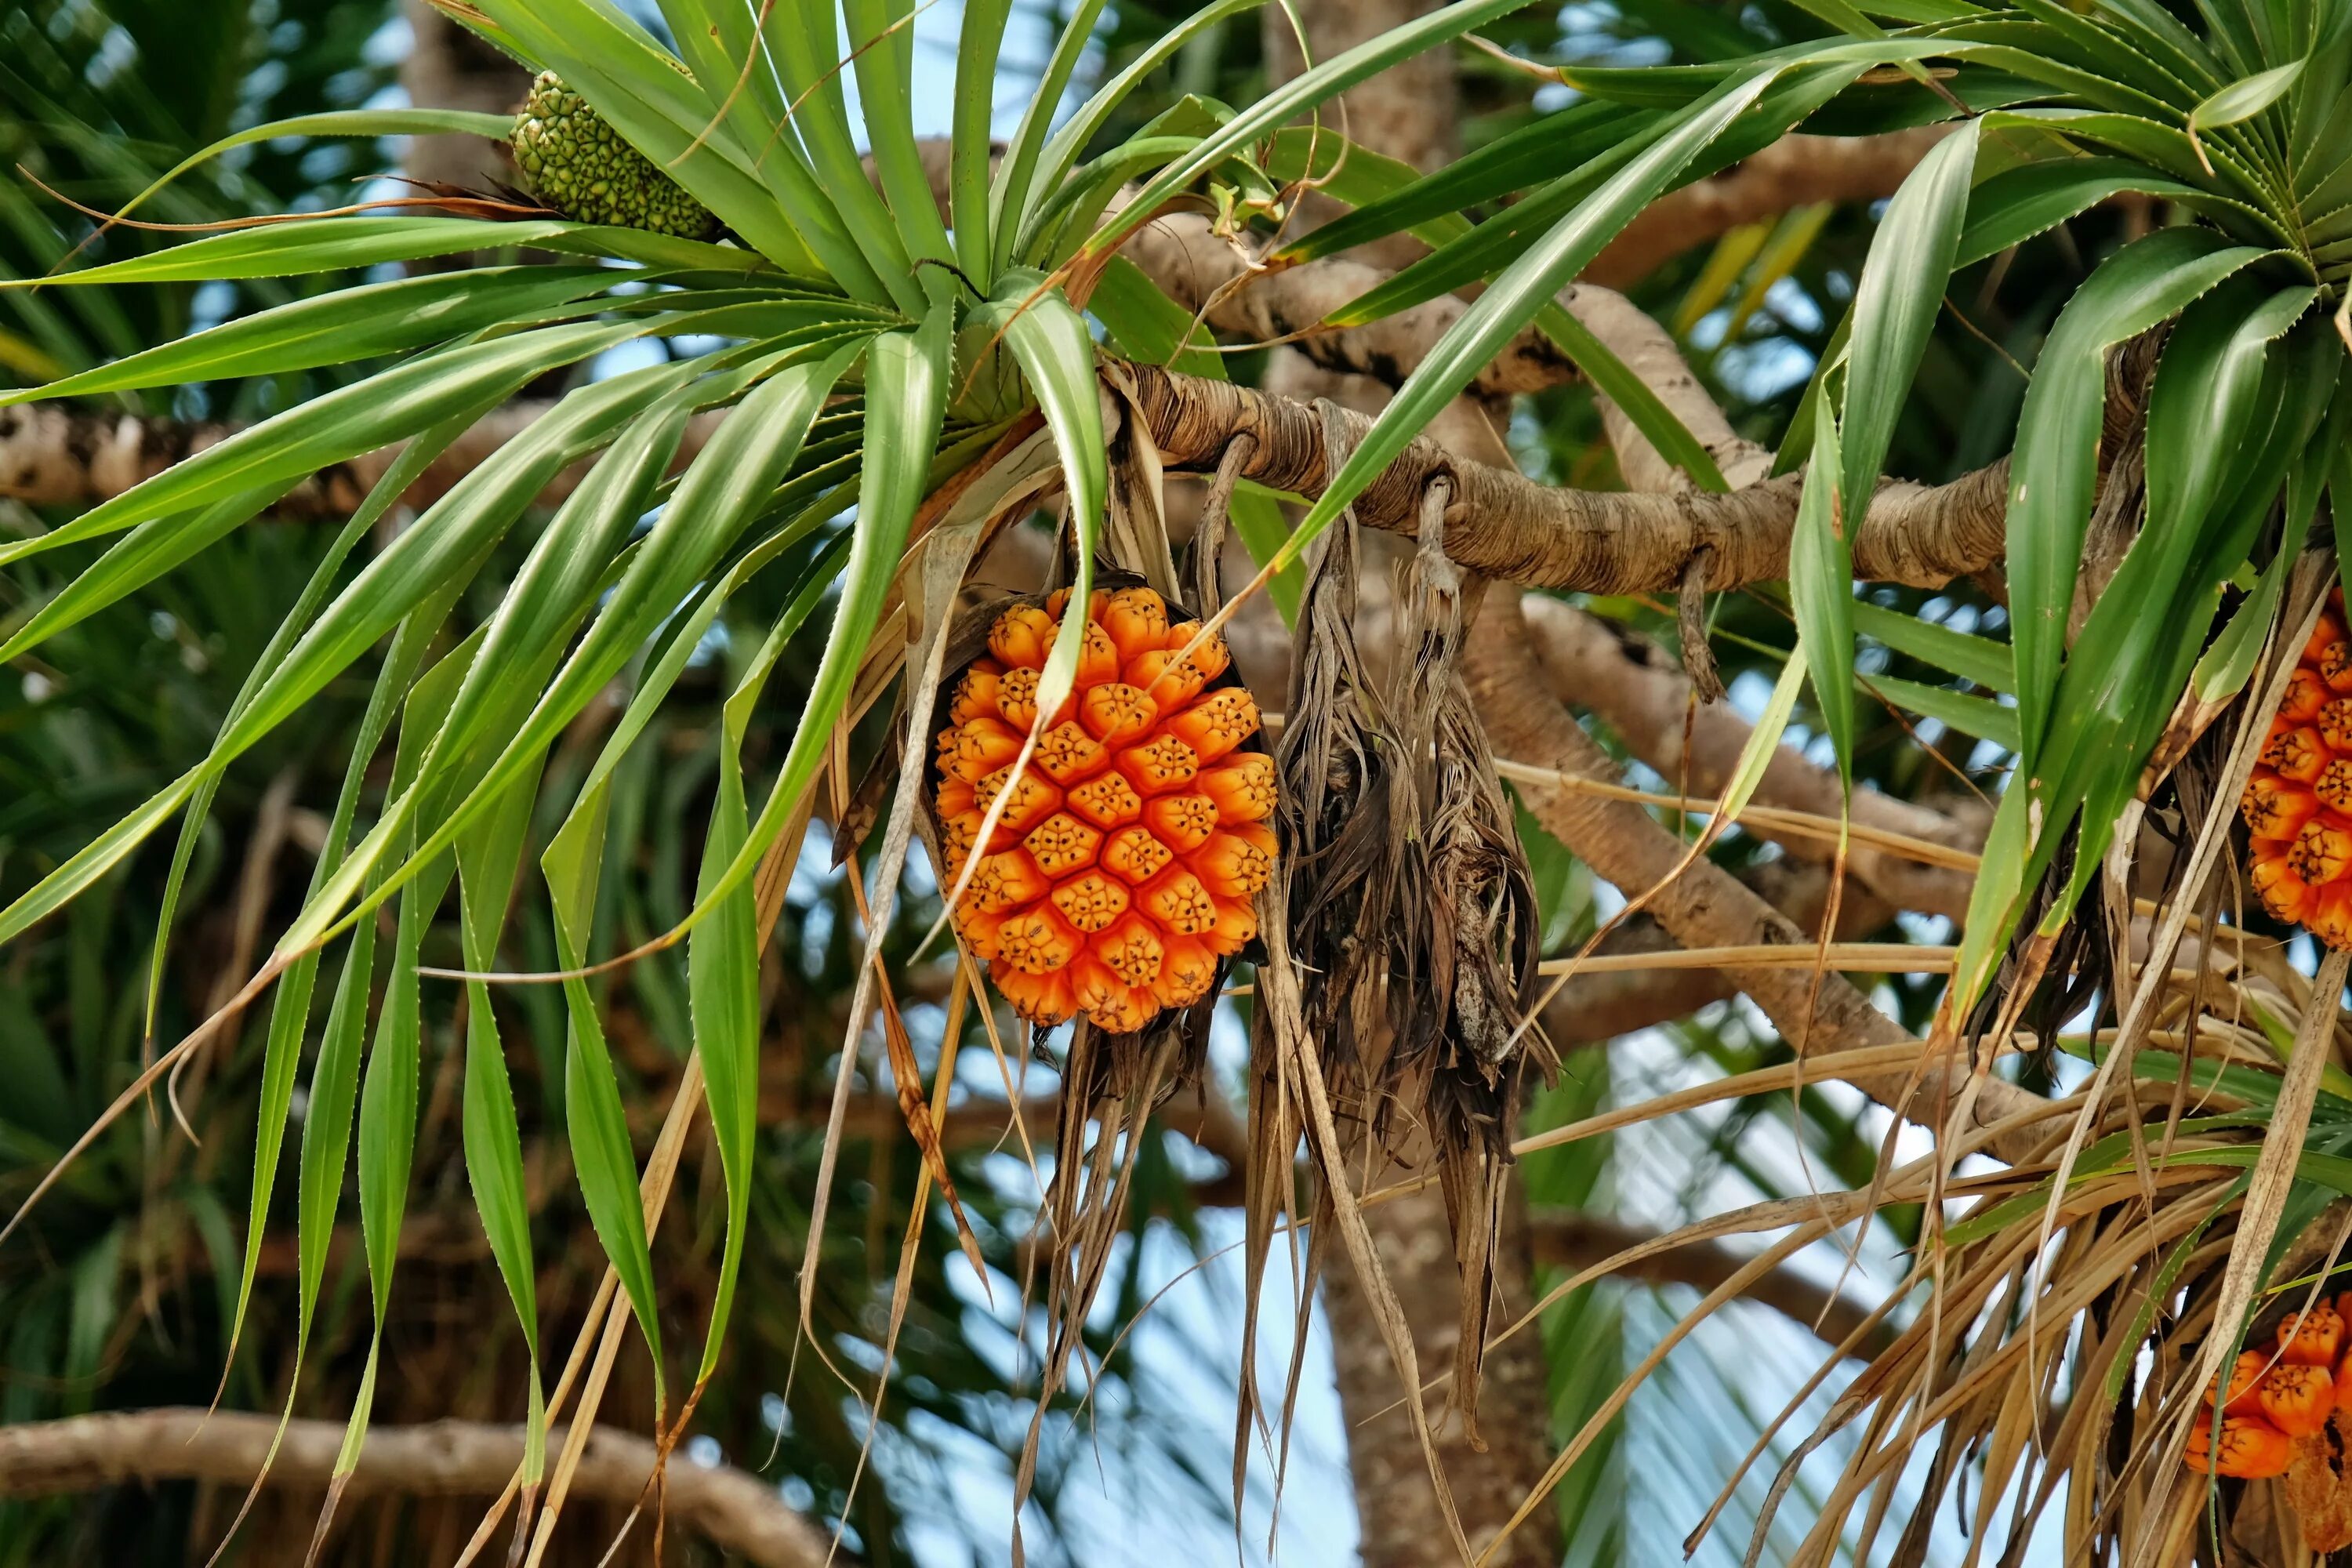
(2298, 803)
(1119, 874)
(2278, 1394)
(2250, 1447)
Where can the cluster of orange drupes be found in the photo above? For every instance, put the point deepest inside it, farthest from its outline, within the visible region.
(1121, 869)
(2298, 804)
(2283, 1391)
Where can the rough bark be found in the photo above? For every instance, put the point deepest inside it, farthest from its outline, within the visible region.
(734, 1511)
(1500, 523)
(1504, 525)
(1410, 112)
(1396, 1510)
(1203, 272)
(75, 455)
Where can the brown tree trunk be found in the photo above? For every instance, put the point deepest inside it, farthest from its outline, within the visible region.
(450, 68)
(1411, 112)
(1395, 1508)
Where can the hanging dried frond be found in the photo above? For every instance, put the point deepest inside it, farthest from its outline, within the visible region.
(1407, 908)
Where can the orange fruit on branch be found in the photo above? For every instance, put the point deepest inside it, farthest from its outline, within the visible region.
(2297, 1399)
(2312, 1338)
(2248, 1448)
(2245, 1378)
(1119, 873)
(2298, 802)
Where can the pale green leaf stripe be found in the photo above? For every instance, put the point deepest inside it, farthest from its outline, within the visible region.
(2244, 98)
(394, 480)
(1801, 83)
(347, 1457)
(732, 476)
(1977, 716)
(1846, 18)
(2054, 467)
(684, 635)
(96, 858)
(1058, 353)
(636, 86)
(1010, 192)
(1062, 221)
(388, 1095)
(1763, 743)
(717, 42)
(493, 1149)
(1966, 655)
(1077, 133)
(310, 245)
(978, 43)
(1536, 276)
(416, 566)
(1992, 904)
(442, 543)
(711, 506)
(2016, 204)
(556, 585)
(882, 52)
(722, 955)
(804, 43)
(1895, 305)
(723, 998)
(1294, 98)
(340, 424)
(2201, 413)
(326, 1126)
(907, 378)
(487, 856)
(598, 1129)
(2215, 396)
(2223, 667)
(289, 1007)
(1821, 591)
(387, 1125)
(340, 328)
(147, 553)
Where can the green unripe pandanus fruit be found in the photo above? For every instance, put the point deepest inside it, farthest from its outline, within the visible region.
(578, 164)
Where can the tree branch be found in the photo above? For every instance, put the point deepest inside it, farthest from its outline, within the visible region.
(1797, 171)
(1576, 1239)
(731, 1508)
(1504, 525)
(1702, 905)
(1591, 1009)
(1629, 683)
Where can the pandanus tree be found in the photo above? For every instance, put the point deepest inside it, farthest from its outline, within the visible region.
(884, 353)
